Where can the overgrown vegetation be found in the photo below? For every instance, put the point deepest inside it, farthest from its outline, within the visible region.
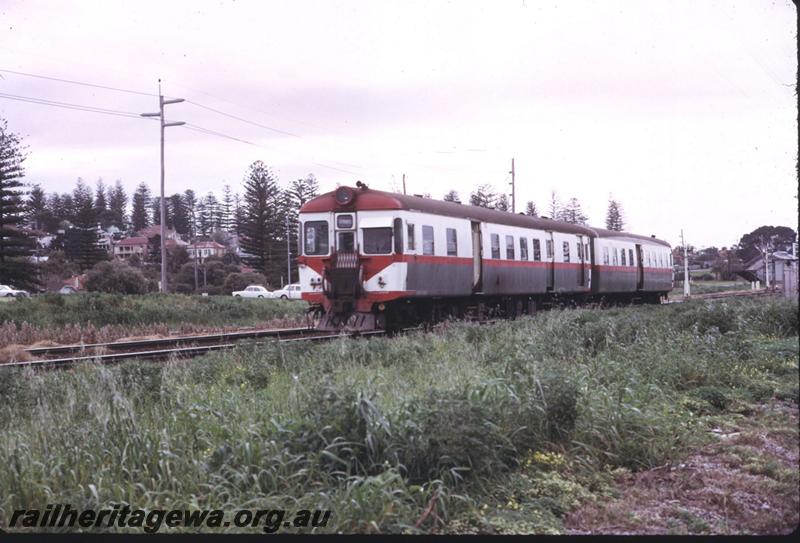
(101, 316)
(470, 429)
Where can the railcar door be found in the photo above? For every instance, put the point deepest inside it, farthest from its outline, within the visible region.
(581, 262)
(639, 268)
(477, 258)
(550, 259)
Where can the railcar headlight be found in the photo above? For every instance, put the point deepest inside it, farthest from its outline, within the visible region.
(344, 196)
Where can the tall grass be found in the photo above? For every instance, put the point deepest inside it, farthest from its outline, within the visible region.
(100, 316)
(380, 430)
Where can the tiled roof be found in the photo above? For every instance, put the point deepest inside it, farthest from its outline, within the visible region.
(133, 241)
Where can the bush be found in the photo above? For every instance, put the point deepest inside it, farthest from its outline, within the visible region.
(116, 277)
(239, 281)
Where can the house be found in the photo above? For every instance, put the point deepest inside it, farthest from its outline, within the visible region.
(127, 247)
(155, 230)
(204, 249)
(779, 263)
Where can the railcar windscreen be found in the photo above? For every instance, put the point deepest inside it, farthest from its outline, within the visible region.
(315, 235)
(377, 241)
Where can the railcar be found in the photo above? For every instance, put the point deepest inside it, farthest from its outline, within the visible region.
(378, 260)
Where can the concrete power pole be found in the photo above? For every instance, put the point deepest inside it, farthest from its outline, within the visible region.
(288, 255)
(513, 188)
(404, 183)
(686, 288)
(160, 115)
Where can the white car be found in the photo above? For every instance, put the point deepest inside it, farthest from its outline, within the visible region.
(289, 292)
(6, 292)
(253, 291)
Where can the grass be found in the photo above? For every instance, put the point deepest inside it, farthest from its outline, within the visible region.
(100, 316)
(705, 287)
(499, 429)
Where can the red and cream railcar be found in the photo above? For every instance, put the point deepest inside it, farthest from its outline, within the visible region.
(626, 265)
(372, 259)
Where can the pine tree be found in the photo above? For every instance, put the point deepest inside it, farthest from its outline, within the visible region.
(117, 205)
(238, 214)
(573, 213)
(260, 228)
(37, 211)
(155, 208)
(190, 201)
(452, 196)
(484, 196)
(16, 247)
(104, 215)
(554, 206)
(81, 241)
(226, 209)
(180, 215)
(141, 201)
(614, 219)
(530, 209)
(210, 216)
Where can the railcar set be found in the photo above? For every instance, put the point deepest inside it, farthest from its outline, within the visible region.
(374, 260)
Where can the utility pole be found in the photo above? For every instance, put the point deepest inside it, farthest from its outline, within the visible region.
(513, 188)
(288, 255)
(160, 114)
(686, 289)
(404, 183)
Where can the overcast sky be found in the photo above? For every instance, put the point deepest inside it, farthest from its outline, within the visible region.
(684, 111)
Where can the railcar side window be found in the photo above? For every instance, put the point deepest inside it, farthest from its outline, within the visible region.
(523, 248)
(537, 250)
(586, 251)
(411, 237)
(315, 235)
(452, 242)
(427, 239)
(670, 260)
(566, 251)
(605, 256)
(580, 252)
(550, 251)
(616, 257)
(622, 256)
(377, 241)
(510, 247)
(495, 246)
(398, 235)
(630, 254)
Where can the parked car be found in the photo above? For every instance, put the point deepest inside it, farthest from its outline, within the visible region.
(6, 292)
(67, 289)
(253, 291)
(289, 292)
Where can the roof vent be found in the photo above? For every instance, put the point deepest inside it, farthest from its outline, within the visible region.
(419, 196)
(653, 236)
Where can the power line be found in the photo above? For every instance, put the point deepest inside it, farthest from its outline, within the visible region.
(202, 130)
(82, 83)
(241, 119)
(67, 105)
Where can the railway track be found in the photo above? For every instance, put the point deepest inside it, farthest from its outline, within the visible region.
(196, 345)
(178, 347)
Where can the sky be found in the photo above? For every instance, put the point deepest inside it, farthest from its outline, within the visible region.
(683, 111)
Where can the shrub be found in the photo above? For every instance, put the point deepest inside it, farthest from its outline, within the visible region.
(239, 281)
(116, 277)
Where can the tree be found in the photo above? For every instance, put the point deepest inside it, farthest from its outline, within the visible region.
(16, 246)
(573, 213)
(226, 209)
(502, 203)
(180, 215)
(81, 241)
(554, 207)
(766, 239)
(37, 212)
(208, 211)
(483, 196)
(117, 205)
(104, 216)
(261, 225)
(530, 209)
(116, 276)
(141, 201)
(452, 196)
(238, 214)
(614, 219)
(190, 200)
